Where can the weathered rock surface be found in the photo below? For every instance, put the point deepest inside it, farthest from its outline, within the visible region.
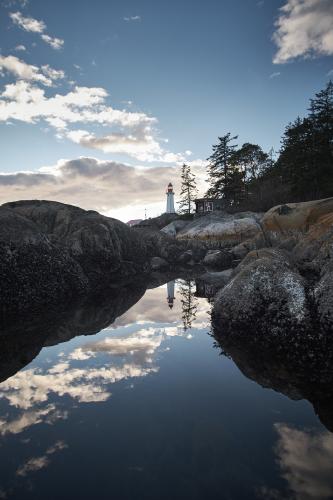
(218, 259)
(50, 252)
(285, 271)
(157, 263)
(174, 227)
(221, 231)
(295, 219)
(266, 296)
(209, 283)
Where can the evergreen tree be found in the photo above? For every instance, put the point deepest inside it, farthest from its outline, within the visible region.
(188, 192)
(306, 157)
(222, 172)
(321, 117)
(252, 161)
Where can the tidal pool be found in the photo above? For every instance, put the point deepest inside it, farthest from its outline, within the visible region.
(149, 408)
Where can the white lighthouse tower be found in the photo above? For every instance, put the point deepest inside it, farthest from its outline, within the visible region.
(170, 208)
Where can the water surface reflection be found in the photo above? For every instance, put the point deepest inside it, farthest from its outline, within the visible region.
(126, 397)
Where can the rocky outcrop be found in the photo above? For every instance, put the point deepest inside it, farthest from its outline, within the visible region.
(51, 252)
(157, 263)
(265, 297)
(294, 219)
(284, 279)
(218, 259)
(174, 227)
(221, 230)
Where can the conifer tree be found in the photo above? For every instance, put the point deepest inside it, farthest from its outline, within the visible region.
(252, 161)
(188, 191)
(222, 174)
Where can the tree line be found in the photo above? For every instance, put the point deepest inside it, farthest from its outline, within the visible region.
(248, 178)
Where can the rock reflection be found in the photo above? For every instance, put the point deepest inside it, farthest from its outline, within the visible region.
(301, 367)
(21, 341)
(82, 373)
(306, 460)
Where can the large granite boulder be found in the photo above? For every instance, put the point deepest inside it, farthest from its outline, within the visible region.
(294, 219)
(52, 252)
(100, 244)
(221, 230)
(218, 259)
(174, 227)
(265, 297)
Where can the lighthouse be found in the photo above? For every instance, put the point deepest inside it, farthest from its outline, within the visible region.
(170, 208)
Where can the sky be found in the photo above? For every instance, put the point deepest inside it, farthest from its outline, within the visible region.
(102, 102)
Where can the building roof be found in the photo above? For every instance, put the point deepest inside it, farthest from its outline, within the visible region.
(207, 199)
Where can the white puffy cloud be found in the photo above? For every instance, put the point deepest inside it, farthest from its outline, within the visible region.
(104, 186)
(304, 29)
(132, 132)
(24, 71)
(34, 26)
(55, 43)
(27, 23)
(306, 461)
(53, 74)
(20, 48)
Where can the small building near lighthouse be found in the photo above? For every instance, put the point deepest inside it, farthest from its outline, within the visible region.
(170, 206)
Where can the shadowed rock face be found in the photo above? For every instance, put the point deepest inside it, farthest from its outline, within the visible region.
(266, 295)
(296, 365)
(22, 340)
(51, 252)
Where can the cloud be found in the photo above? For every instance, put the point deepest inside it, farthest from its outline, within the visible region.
(94, 184)
(330, 73)
(31, 387)
(306, 461)
(28, 103)
(153, 308)
(32, 25)
(53, 74)
(304, 29)
(20, 48)
(132, 133)
(23, 71)
(55, 43)
(27, 23)
(140, 143)
(48, 414)
(37, 463)
(274, 75)
(132, 18)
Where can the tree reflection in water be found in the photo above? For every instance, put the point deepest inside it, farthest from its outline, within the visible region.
(188, 302)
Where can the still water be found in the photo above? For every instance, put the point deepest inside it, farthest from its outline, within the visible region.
(149, 408)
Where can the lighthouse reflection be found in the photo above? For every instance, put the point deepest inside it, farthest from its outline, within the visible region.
(188, 300)
(171, 293)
